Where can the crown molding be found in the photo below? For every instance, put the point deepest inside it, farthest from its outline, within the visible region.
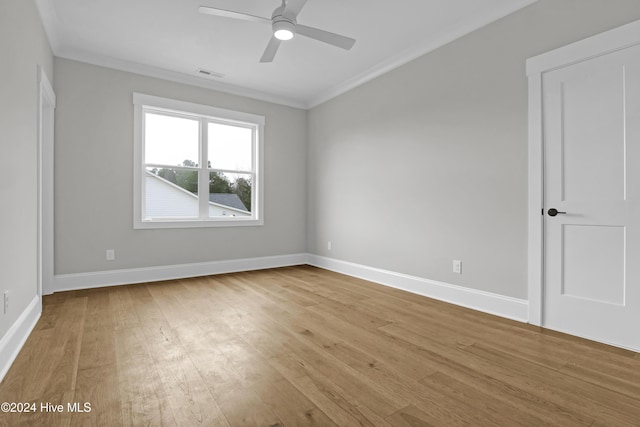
(51, 24)
(463, 28)
(174, 76)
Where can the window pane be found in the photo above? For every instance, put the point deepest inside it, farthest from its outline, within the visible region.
(170, 140)
(229, 194)
(171, 193)
(229, 147)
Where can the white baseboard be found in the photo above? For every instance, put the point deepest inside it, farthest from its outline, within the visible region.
(500, 305)
(98, 279)
(16, 336)
(511, 308)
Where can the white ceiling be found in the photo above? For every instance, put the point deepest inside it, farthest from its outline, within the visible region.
(170, 39)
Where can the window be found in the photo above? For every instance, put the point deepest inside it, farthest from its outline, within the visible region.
(195, 165)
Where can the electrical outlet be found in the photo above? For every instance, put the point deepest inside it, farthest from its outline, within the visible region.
(6, 302)
(329, 245)
(457, 266)
(111, 254)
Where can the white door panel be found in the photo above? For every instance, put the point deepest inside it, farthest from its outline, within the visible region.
(591, 121)
(602, 249)
(592, 146)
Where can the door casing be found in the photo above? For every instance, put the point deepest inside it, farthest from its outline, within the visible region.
(46, 114)
(598, 45)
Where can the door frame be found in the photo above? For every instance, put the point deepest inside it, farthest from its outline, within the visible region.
(598, 45)
(46, 119)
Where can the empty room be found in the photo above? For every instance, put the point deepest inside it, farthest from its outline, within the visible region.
(320, 212)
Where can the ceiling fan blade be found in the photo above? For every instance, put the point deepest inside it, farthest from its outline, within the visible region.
(294, 6)
(270, 51)
(326, 37)
(231, 14)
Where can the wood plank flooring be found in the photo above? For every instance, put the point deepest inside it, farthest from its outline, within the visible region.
(302, 346)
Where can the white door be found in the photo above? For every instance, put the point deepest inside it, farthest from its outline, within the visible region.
(591, 132)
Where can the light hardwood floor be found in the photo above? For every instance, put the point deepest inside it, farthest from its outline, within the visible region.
(302, 346)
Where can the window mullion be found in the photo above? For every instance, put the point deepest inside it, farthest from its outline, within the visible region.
(203, 176)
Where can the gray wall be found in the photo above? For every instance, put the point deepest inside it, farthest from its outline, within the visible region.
(23, 46)
(421, 166)
(428, 163)
(94, 177)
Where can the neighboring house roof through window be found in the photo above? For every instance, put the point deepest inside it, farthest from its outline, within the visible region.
(164, 196)
(227, 199)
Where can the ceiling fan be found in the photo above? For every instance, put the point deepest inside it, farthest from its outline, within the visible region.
(284, 25)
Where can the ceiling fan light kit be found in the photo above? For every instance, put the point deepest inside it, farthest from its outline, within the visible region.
(284, 29)
(284, 25)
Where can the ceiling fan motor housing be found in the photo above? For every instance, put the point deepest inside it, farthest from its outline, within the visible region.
(283, 27)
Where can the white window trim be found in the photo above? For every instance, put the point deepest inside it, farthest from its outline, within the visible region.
(140, 101)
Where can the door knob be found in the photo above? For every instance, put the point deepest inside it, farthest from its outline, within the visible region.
(554, 212)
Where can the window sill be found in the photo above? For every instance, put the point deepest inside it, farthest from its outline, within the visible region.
(196, 223)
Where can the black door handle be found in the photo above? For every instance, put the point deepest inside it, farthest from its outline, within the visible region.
(554, 212)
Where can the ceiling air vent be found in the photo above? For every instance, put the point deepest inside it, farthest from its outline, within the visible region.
(208, 73)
